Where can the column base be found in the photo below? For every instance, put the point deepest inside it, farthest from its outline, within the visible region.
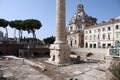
(57, 64)
(59, 54)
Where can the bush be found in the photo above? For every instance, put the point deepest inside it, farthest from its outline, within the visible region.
(115, 70)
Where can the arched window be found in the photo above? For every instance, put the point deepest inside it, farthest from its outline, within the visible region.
(86, 45)
(71, 28)
(75, 42)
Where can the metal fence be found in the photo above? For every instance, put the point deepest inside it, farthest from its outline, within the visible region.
(114, 52)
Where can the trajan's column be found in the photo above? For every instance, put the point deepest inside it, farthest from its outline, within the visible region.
(59, 51)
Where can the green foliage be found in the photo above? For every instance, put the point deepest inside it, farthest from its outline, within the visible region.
(29, 25)
(17, 24)
(49, 40)
(115, 70)
(32, 24)
(3, 23)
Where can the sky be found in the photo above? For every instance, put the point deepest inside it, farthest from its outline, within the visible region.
(45, 12)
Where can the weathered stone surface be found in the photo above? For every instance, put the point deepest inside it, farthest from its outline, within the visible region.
(59, 51)
(13, 67)
(60, 54)
(110, 62)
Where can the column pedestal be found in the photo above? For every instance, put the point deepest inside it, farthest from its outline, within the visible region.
(59, 51)
(59, 54)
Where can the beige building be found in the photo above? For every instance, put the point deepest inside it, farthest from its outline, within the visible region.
(83, 31)
(77, 24)
(103, 35)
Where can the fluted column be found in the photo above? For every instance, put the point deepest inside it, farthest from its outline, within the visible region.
(60, 22)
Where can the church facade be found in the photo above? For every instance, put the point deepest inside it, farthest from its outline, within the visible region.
(84, 32)
(77, 24)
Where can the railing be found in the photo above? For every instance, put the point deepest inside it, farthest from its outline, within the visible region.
(114, 52)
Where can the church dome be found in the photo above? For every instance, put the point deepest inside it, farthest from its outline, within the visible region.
(79, 14)
(1, 34)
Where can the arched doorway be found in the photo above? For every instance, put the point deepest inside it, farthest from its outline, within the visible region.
(71, 42)
(86, 45)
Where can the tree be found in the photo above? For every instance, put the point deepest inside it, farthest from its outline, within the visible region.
(31, 25)
(17, 24)
(4, 23)
(49, 40)
(12, 25)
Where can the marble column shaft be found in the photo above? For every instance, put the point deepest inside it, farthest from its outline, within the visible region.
(60, 22)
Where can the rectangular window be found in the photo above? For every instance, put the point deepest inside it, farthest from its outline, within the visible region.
(89, 31)
(109, 36)
(103, 29)
(95, 31)
(71, 28)
(86, 37)
(103, 45)
(109, 45)
(103, 36)
(94, 45)
(117, 35)
(90, 37)
(98, 30)
(94, 37)
(90, 45)
(109, 28)
(98, 36)
(116, 27)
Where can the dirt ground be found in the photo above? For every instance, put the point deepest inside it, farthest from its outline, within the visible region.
(23, 69)
(16, 68)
